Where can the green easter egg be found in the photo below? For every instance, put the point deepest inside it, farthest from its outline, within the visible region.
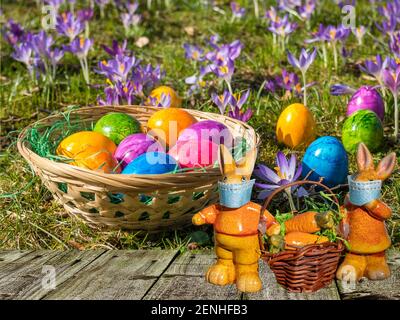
(117, 126)
(362, 126)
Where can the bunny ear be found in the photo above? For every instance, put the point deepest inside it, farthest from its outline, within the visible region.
(247, 164)
(386, 166)
(364, 158)
(227, 164)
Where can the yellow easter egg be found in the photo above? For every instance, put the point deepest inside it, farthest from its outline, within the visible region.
(296, 127)
(176, 101)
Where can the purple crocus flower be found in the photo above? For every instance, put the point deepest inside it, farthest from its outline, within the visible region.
(341, 89)
(394, 44)
(221, 101)
(116, 49)
(305, 60)
(163, 102)
(359, 32)
(388, 27)
(55, 4)
(196, 81)
(303, 63)
(334, 34)
(375, 67)
(80, 47)
(148, 76)
(306, 10)
(318, 36)
(85, 15)
(193, 52)
(132, 7)
(13, 32)
(41, 43)
(391, 80)
(118, 69)
(237, 10)
(289, 82)
(23, 52)
(236, 111)
(69, 26)
(283, 27)
(130, 21)
(286, 171)
(102, 4)
(235, 105)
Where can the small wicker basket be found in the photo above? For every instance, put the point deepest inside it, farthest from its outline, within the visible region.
(151, 202)
(305, 269)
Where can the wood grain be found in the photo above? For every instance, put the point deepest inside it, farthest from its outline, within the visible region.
(116, 274)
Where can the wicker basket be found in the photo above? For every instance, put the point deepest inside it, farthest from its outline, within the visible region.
(305, 269)
(170, 199)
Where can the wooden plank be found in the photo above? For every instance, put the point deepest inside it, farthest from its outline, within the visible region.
(382, 290)
(184, 280)
(31, 279)
(273, 291)
(117, 274)
(12, 255)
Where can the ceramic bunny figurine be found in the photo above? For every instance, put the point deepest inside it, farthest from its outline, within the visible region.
(364, 219)
(235, 221)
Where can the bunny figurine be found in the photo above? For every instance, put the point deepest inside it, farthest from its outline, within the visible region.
(236, 220)
(363, 221)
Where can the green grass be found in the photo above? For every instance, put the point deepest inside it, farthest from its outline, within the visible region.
(30, 218)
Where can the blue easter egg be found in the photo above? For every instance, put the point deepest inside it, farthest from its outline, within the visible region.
(151, 163)
(327, 158)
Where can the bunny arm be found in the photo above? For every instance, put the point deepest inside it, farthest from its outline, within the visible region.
(378, 210)
(206, 216)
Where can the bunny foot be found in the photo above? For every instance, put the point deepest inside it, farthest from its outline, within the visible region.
(221, 273)
(377, 268)
(352, 268)
(248, 279)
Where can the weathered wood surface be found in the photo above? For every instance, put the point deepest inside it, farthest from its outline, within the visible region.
(116, 275)
(153, 275)
(184, 280)
(382, 290)
(25, 278)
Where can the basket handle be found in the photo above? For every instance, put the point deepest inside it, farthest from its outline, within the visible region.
(289, 185)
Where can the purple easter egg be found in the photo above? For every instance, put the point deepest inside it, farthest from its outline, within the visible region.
(210, 130)
(366, 98)
(135, 145)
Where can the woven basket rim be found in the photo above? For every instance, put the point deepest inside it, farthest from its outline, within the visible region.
(122, 180)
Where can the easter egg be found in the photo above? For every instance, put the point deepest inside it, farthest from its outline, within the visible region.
(133, 146)
(176, 101)
(167, 124)
(366, 98)
(90, 150)
(211, 130)
(362, 126)
(296, 126)
(117, 126)
(327, 159)
(195, 153)
(151, 163)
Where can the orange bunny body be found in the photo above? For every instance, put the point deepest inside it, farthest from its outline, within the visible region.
(236, 244)
(364, 224)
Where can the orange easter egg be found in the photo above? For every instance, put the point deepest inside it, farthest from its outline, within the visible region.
(296, 127)
(176, 101)
(167, 124)
(90, 150)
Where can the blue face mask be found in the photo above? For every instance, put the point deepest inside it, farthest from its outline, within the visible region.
(235, 195)
(363, 192)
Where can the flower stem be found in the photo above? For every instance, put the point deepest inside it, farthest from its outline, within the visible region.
(396, 117)
(228, 83)
(335, 57)
(324, 53)
(291, 203)
(305, 88)
(256, 9)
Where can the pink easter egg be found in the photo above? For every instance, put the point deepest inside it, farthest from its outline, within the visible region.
(366, 98)
(210, 130)
(195, 153)
(133, 146)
